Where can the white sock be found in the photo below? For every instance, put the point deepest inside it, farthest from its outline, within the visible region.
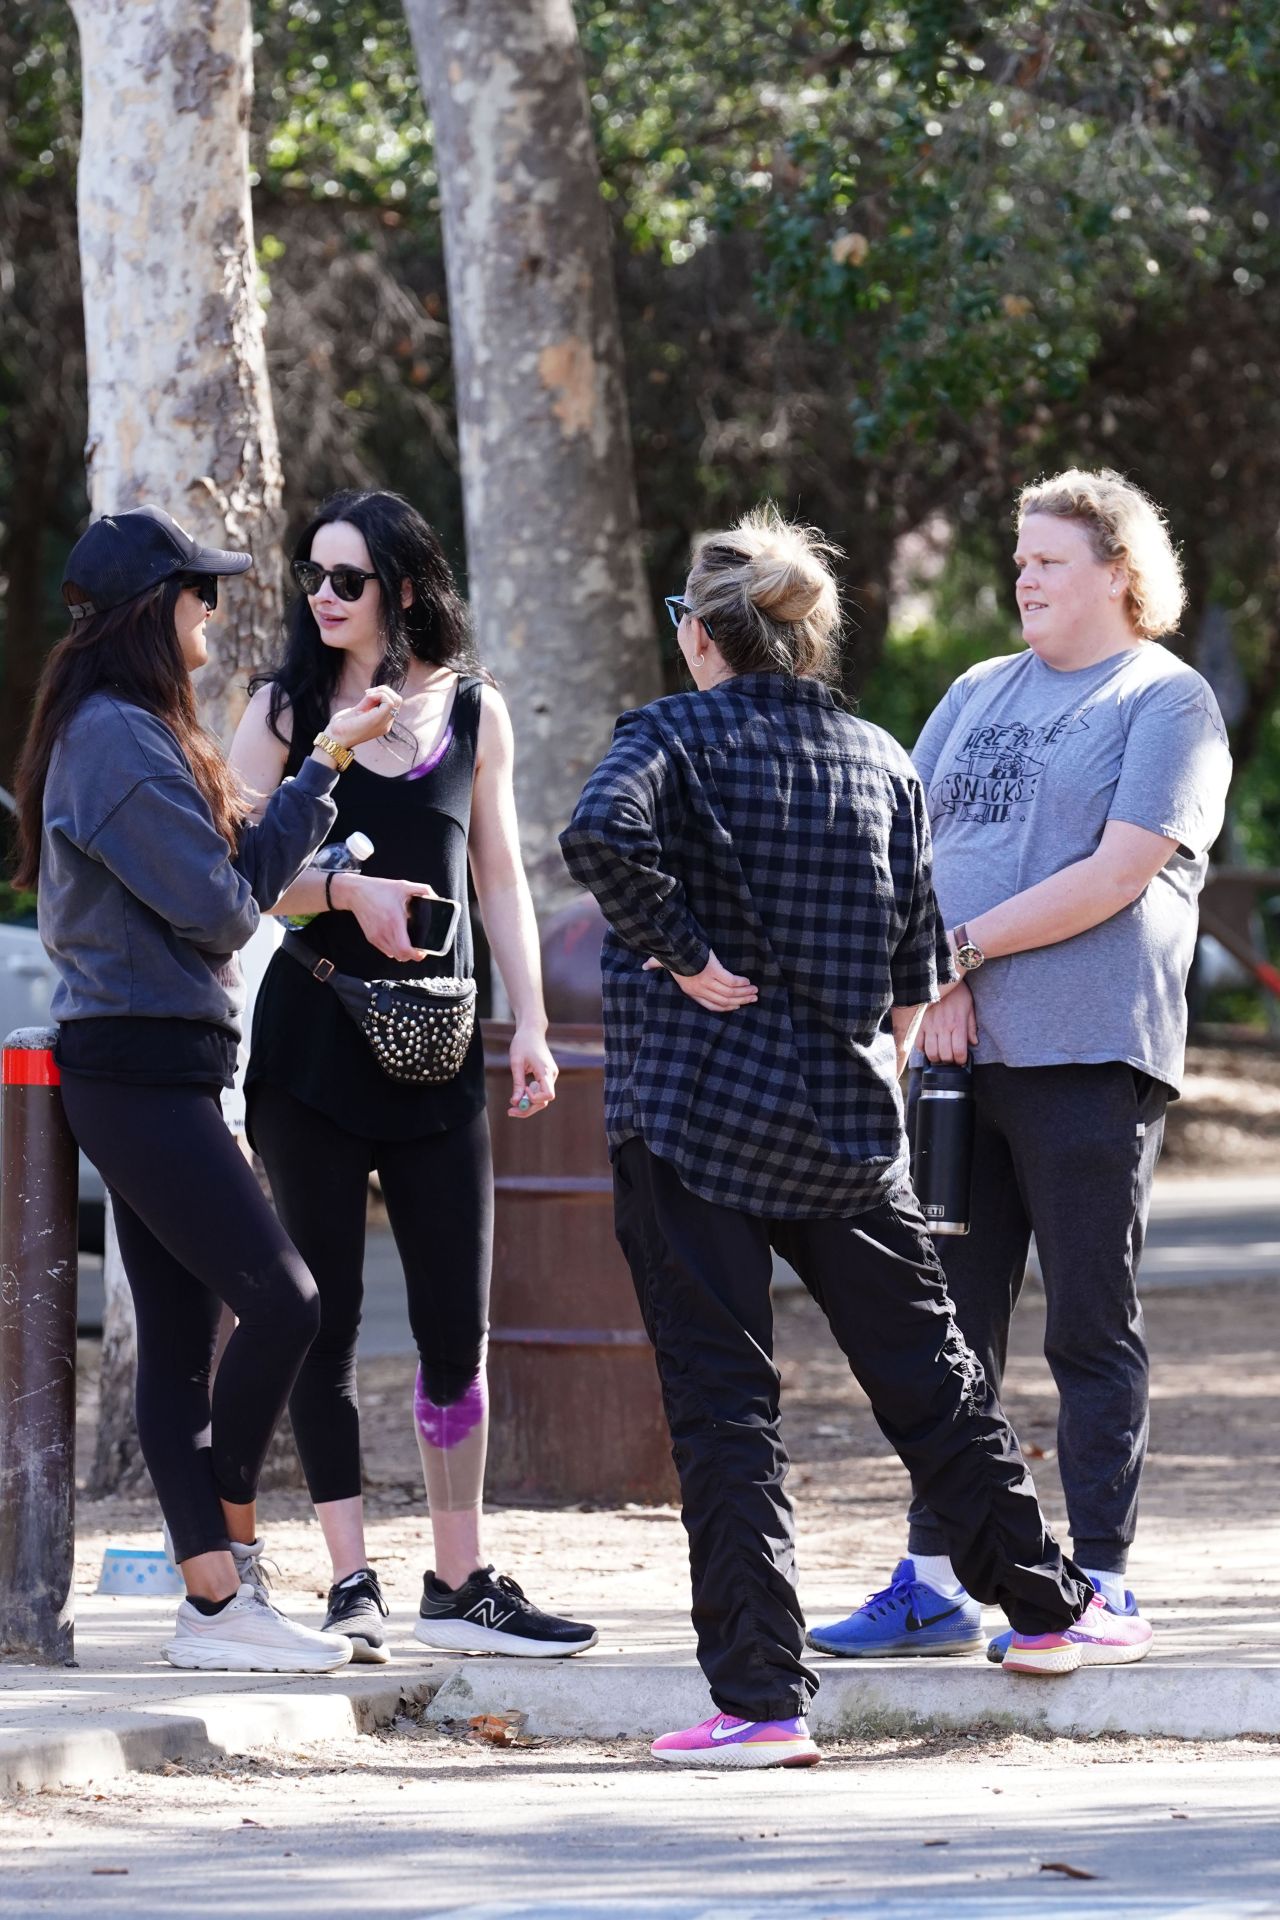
(936, 1571)
(1109, 1585)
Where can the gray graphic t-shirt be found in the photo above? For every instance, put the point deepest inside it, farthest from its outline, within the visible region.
(1024, 766)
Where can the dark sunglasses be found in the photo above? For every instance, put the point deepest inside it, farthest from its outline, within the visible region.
(347, 582)
(677, 606)
(205, 584)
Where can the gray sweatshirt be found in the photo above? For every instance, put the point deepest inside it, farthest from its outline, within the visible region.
(142, 904)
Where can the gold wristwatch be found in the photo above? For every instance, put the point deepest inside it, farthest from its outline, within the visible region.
(342, 755)
(968, 956)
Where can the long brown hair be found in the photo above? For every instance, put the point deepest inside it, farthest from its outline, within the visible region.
(132, 652)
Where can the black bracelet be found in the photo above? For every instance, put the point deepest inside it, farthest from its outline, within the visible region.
(328, 896)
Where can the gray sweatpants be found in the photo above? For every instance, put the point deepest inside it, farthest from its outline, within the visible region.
(1067, 1153)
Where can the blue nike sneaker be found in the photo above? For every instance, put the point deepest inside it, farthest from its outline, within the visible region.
(999, 1646)
(906, 1618)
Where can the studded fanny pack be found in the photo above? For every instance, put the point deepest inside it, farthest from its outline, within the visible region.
(417, 1030)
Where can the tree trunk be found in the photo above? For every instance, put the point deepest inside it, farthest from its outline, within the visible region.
(557, 584)
(179, 405)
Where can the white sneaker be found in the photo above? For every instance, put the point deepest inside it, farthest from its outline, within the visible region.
(250, 1568)
(249, 1636)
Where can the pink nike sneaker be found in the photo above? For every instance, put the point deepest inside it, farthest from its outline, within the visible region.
(1100, 1638)
(724, 1741)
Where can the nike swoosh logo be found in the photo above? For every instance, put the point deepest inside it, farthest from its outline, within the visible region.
(726, 1733)
(914, 1625)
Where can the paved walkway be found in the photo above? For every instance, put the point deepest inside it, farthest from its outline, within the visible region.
(1207, 1568)
(1215, 1673)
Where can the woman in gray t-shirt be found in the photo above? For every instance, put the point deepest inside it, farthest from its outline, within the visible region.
(1074, 791)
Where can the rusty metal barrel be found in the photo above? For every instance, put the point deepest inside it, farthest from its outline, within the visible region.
(576, 1414)
(39, 1179)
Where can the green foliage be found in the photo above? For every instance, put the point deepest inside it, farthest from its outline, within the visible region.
(882, 259)
(41, 105)
(338, 112)
(964, 196)
(966, 615)
(16, 908)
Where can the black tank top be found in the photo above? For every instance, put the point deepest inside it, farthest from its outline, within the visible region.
(303, 1039)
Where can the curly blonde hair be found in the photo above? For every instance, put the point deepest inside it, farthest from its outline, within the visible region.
(769, 597)
(1126, 528)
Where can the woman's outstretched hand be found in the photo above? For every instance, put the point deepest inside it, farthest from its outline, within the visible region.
(715, 988)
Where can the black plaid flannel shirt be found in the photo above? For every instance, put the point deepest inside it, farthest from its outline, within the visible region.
(761, 821)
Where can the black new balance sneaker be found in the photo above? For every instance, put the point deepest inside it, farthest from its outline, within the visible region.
(489, 1614)
(357, 1609)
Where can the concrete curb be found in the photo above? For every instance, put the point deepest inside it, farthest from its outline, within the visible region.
(594, 1701)
(204, 1727)
(604, 1700)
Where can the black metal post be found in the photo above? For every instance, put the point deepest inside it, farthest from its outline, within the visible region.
(39, 1179)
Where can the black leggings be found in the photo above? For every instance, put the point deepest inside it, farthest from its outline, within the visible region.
(196, 1231)
(438, 1191)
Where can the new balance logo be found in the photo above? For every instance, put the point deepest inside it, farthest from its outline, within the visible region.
(490, 1613)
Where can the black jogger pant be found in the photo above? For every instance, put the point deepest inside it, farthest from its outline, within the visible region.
(195, 1232)
(702, 1275)
(1069, 1153)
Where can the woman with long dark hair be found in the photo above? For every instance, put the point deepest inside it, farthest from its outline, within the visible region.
(377, 604)
(150, 881)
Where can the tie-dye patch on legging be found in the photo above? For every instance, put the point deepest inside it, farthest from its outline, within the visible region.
(453, 1441)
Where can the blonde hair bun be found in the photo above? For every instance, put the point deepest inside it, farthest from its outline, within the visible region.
(769, 595)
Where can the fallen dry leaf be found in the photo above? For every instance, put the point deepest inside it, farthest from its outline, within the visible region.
(500, 1729)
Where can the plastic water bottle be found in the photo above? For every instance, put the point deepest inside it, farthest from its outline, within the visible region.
(344, 856)
(942, 1156)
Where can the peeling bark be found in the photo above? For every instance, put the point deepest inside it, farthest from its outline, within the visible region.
(558, 590)
(179, 405)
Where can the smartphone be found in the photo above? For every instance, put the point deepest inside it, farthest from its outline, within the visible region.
(433, 924)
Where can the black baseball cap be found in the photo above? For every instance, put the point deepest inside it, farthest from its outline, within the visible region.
(125, 554)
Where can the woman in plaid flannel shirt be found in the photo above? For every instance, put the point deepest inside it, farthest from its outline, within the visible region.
(762, 859)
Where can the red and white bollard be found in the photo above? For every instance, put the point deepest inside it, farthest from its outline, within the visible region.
(39, 1182)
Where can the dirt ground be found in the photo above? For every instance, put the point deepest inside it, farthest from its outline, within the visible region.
(1215, 1436)
(1228, 1119)
(1215, 1441)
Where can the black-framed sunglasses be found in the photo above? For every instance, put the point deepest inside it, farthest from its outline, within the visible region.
(205, 584)
(677, 606)
(348, 582)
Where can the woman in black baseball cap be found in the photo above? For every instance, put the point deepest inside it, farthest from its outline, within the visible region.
(123, 554)
(151, 878)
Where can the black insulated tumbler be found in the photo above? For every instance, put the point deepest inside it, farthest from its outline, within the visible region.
(942, 1158)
